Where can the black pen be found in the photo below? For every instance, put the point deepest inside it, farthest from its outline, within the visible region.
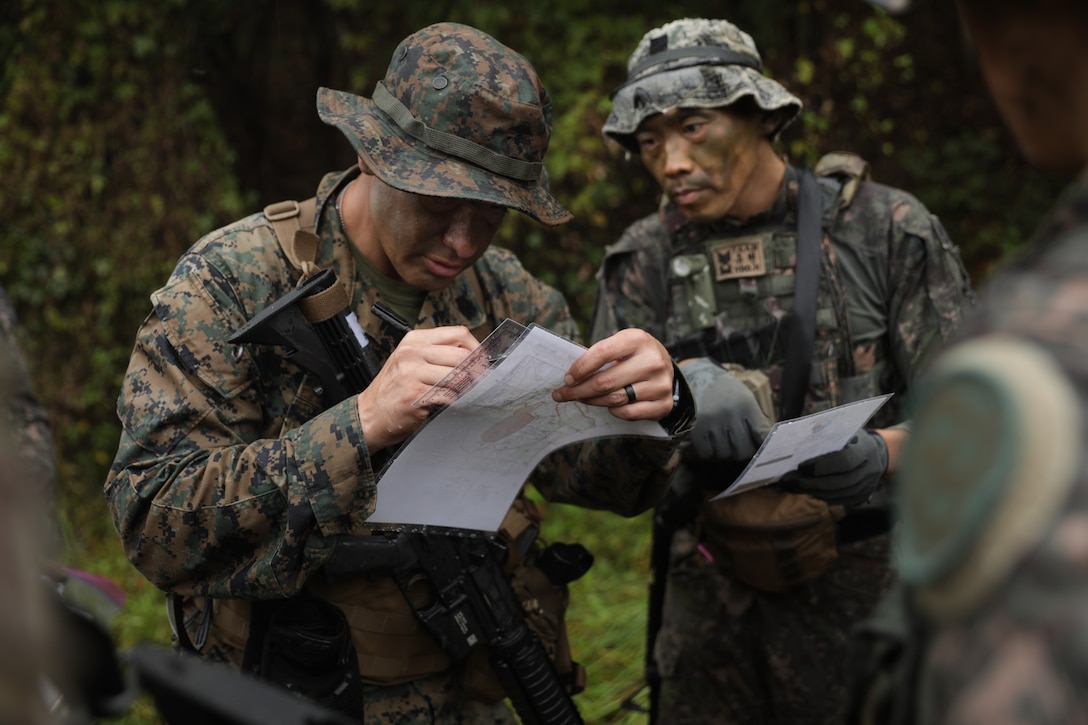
(391, 318)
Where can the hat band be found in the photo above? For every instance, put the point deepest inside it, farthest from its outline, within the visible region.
(457, 146)
(695, 55)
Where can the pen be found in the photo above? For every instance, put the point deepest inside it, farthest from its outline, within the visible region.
(391, 318)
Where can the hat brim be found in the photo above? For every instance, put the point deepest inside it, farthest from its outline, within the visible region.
(892, 6)
(697, 87)
(406, 163)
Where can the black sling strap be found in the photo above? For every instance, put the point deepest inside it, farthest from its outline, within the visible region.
(798, 364)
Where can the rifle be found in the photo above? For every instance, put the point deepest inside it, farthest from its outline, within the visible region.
(472, 603)
(469, 603)
(676, 510)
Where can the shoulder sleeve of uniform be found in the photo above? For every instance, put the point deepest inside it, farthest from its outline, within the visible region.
(515, 293)
(647, 235)
(179, 364)
(924, 267)
(215, 288)
(631, 281)
(991, 460)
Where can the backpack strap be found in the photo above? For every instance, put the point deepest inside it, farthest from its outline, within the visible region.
(847, 168)
(294, 222)
(840, 174)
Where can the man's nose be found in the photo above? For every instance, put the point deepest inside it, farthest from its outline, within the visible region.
(677, 156)
(463, 233)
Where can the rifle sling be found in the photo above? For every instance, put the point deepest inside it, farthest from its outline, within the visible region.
(798, 364)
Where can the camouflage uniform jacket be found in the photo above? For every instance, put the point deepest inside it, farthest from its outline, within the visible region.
(1013, 649)
(890, 279)
(231, 477)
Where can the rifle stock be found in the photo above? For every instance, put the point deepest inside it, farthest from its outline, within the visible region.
(333, 347)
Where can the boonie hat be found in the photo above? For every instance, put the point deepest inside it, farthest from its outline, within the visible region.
(892, 6)
(458, 115)
(694, 63)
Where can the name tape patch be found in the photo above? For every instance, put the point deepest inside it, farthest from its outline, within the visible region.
(743, 257)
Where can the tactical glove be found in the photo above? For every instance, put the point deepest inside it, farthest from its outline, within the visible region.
(729, 424)
(847, 477)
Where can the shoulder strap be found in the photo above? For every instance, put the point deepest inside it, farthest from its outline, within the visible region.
(806, 284)
(294, 222)
(850, 168)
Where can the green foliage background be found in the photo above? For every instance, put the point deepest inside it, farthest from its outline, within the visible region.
(130, 128)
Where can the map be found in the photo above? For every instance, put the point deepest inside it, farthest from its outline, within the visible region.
(465, 465)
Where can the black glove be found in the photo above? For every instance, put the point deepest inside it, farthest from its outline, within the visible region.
(847, 476)
(729, 424)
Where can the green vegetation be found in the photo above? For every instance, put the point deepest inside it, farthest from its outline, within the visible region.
(607, 618)
(129, 128)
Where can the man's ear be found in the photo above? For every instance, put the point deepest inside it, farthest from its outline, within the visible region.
(364, 167)
(769, 123)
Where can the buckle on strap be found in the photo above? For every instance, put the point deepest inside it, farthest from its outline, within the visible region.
(281, 210)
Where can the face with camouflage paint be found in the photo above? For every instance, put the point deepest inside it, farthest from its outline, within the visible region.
(423, 241)
(712, 162)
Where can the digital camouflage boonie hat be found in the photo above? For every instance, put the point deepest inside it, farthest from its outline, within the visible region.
(458, 115)
(694, 63)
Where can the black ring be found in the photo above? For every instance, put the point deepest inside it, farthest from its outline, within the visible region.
(630, 390)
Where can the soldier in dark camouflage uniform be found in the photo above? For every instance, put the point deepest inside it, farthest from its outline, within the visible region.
(989, 622)
(232, 478)
(26, 492)
(25, 415)
(736, 645)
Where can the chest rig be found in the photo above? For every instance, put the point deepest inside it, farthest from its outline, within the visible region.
(732, 295)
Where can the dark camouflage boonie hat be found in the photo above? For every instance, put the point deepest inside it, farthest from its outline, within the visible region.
(694, 63)
(892, 6)
(458, 115)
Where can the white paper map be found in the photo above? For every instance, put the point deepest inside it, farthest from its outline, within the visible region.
(464, 467)
(793, 442)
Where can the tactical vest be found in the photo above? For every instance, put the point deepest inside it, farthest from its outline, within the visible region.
(392, 646)
(731, 297)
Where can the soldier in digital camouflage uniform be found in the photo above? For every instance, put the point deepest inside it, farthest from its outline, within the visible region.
(232, 478)
(711, 273)
(990, 621)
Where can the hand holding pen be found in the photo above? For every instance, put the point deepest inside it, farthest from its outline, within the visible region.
(421, 359)
(389, 316)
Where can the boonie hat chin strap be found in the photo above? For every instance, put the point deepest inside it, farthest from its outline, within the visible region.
(448, 143)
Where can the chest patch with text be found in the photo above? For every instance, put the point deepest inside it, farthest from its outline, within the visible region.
(743, 257)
